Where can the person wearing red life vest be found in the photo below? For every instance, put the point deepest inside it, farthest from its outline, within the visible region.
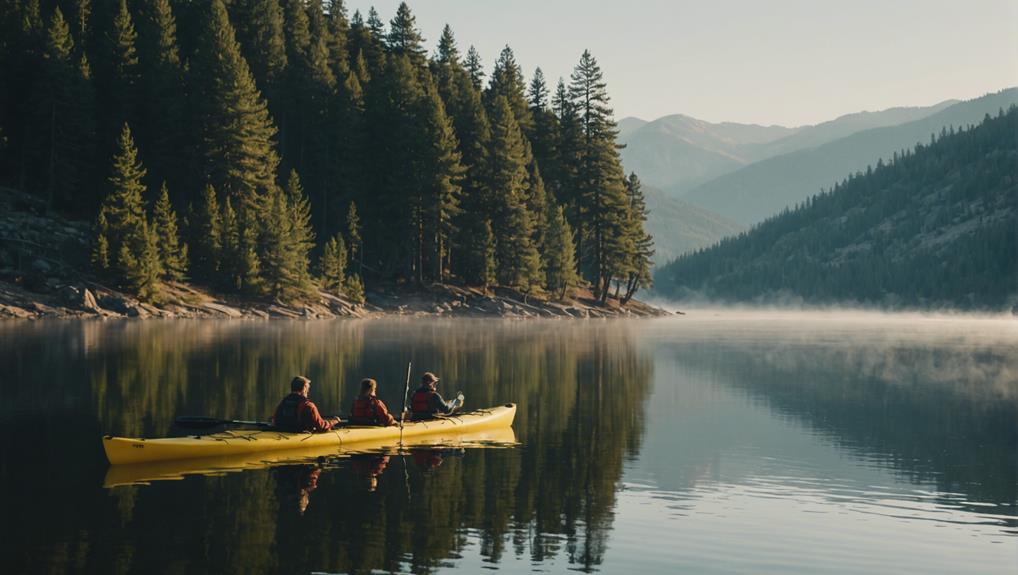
(426, 402)
(368, 409)
(296, 413)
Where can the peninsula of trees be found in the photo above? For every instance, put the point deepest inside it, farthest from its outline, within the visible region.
(277, 147)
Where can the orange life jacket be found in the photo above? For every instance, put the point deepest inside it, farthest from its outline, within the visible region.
(420, 403)
(365, 411)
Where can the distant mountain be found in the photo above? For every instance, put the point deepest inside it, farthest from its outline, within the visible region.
(754, 192)
(675, 153)
(628, 125)
(813, 136)
(679, 227)
(936, 227)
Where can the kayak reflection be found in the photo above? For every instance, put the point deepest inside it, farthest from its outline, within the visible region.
(143, 473)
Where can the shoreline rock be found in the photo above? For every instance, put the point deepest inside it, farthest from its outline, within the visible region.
(90, 300)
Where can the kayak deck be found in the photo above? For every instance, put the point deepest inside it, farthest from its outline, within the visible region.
(122, 450)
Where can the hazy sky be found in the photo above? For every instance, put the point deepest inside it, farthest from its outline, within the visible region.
(787, 62)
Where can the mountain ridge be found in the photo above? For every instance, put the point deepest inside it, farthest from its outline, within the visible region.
(758, 190)
(934, 227)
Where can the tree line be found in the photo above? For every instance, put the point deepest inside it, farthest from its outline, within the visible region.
(287, 134)
(933, 226)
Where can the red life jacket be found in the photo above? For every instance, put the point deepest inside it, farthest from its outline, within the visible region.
(365, 411)
(290, 413)
(420, 403)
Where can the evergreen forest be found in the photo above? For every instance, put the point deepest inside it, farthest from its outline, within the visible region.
(935, 226)
(273, 148)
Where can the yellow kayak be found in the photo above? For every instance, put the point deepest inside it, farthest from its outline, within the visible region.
(123, 450)
(142, 473)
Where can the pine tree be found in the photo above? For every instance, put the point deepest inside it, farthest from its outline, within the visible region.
(207, 237)
(441, 173)
(302, 232)
(332, 266)
(353, 232)
(123, 227)
(278, 248)
(544, 139)
(172, 252)
(475, 68)
(142, 266)
(560, 263)
(507, 81)
(162, 84)
(518, 263)
(63, 102)
(642, 242)
(231, 253)
(404, 38)
(100, 256)
(239, 156)
(600, 190)
(120, 92)
(354, 288)
(261, 37)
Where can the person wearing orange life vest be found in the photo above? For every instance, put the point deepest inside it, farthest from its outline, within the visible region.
(296, 413)
(426, 402)
(368, 409)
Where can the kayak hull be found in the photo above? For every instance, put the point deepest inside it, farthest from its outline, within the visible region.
(122, 450)
(176, 469)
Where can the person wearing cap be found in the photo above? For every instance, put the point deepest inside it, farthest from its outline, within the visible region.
(426, 402)
(296, 413)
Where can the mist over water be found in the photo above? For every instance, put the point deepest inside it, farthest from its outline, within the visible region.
(720, 441)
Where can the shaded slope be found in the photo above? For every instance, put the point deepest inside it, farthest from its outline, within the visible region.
(936, 227)
(679, 227)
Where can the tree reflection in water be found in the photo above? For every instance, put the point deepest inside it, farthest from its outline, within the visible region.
(580, 388)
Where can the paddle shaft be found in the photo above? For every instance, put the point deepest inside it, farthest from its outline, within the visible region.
(205, 422)
(406, 391)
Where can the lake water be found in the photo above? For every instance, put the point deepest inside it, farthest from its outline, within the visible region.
(719, 442)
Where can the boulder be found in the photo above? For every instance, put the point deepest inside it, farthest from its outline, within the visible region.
(41, 266)
(88, 301)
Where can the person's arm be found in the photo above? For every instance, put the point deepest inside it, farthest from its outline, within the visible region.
(384, 415)
(317, 422)
(439, 405)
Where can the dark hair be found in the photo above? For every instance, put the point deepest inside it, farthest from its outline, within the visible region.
(368, 384)
(298, 382)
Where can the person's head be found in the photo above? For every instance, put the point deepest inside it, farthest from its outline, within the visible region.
(429, 380)
(301, 385)
(368, 386)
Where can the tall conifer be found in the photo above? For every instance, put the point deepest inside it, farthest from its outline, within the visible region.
(172, 252)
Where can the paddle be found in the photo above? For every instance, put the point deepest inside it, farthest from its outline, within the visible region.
(402, 414)
(201, 422)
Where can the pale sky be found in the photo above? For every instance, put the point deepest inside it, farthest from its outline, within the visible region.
(788, 62)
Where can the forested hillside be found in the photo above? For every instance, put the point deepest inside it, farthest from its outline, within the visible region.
(762, 189)
(275, 147)
(934, 226)
(679, 227)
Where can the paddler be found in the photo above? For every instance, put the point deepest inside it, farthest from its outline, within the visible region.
(426, 402)
(296, 413)
(368, 409)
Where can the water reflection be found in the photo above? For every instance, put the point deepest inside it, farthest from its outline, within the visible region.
(580, 389)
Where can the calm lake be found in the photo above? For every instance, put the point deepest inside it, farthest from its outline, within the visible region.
(718, 442)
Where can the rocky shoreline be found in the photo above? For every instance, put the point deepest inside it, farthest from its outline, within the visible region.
(42, 257)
